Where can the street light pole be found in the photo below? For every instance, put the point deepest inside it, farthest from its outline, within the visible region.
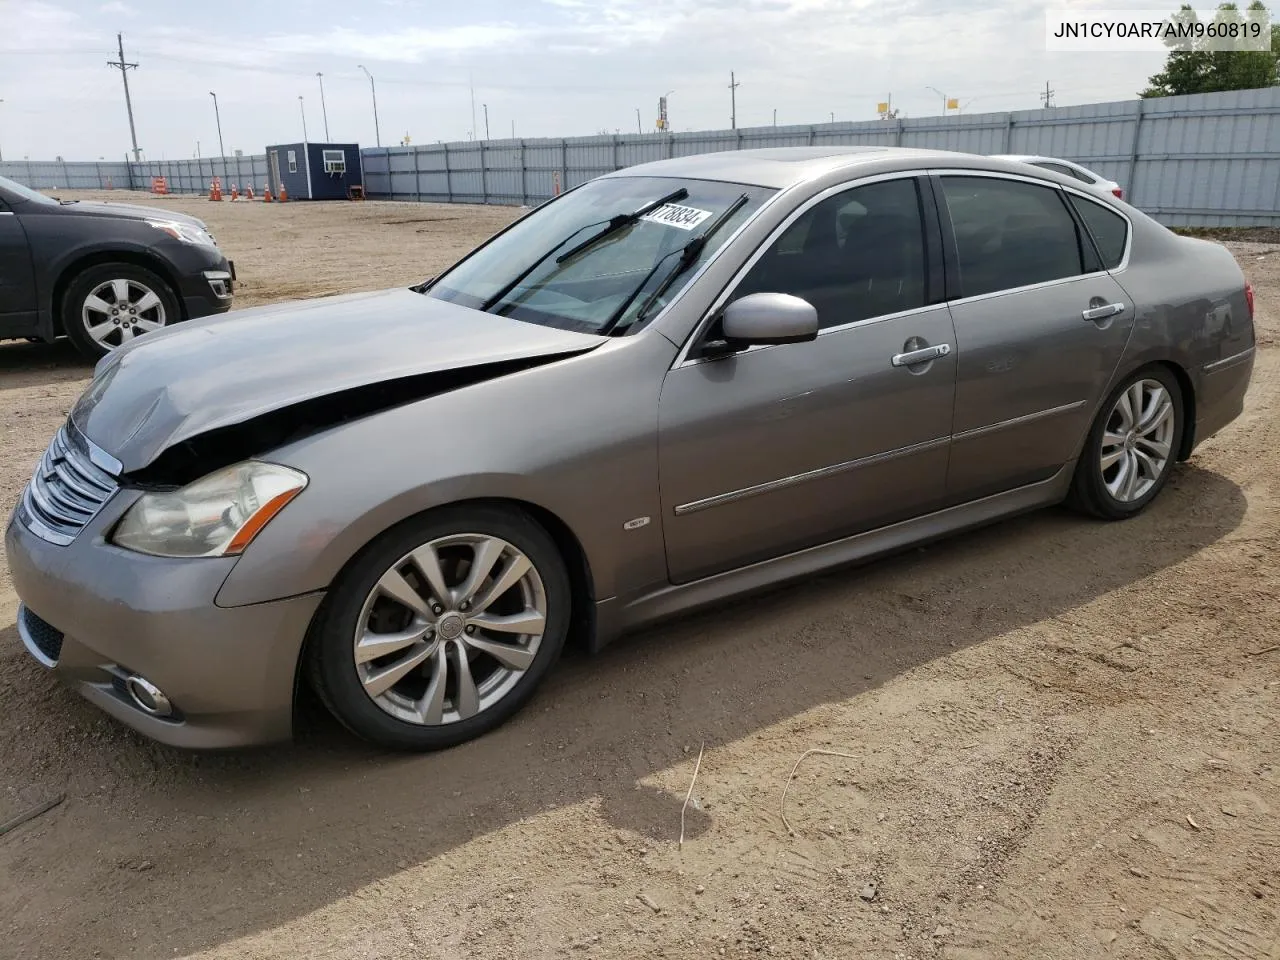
(373, 90)
(486, 121)
(303, 110)
(217, 116)
(942, 95)
(323, 111)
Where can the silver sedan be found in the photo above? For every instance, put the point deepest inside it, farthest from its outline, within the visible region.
(673, 384)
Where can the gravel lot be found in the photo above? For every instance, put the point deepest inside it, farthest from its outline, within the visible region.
(1062, 738)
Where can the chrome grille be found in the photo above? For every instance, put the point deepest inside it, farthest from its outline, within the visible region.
(69, 487)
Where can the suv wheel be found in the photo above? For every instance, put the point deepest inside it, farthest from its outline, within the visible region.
(110, 304)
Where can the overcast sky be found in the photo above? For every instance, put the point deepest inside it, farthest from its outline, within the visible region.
(553, 67)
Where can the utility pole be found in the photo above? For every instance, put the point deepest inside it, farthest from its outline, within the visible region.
(323, 111)
(486, 121)
(373, 90)
(1047, 96)
(775, 116)
(217, 116)
(639, 127)
(303, 110)
(733, 101)
(124, 69)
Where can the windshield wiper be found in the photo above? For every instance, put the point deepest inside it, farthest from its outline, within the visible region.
(689, 254)
(623, 220)
(615, 223)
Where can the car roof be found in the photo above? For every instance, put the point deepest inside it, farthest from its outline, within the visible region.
(781, 167)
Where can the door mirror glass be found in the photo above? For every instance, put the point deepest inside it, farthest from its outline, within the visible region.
(769, 318)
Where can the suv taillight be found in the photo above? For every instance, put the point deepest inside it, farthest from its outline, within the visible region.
(1248, 299)
(1118, 192)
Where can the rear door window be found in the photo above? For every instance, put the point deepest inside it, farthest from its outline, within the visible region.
(1010, 233)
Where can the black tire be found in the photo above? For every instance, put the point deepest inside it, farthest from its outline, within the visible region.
(1089, 493)
(329, 657)
(89, 280)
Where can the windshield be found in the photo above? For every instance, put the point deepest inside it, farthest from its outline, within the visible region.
(601, 286)
(18, 192)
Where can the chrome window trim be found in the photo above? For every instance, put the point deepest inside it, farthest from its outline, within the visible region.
(1018, 421)
(1037, 181)
(682, 357)
(782, 483)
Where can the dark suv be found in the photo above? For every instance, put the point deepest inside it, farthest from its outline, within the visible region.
(102, 273)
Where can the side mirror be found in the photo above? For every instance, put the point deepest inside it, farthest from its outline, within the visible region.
(769, 318)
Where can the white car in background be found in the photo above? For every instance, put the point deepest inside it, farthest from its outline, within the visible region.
(1069, 169)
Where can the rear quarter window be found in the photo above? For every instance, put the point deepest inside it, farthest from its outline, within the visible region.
(1110, 230)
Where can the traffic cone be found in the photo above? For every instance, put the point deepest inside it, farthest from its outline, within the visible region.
(266, 193)
(284, 196)
(248, 191)
(235, 192)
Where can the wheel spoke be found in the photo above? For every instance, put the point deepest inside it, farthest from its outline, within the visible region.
(395, 586)
(379, 682)
(100, 331)
(97, 304)
(1154, 418)
(431, 706)
(485, 557)
(1117, 484)
(509, 655)
(1125, 408)
(427, 561)
(1135, 396)
(126, 333)
(120, 288)
(1150, 466)
(1112, 449)
(147, 301)
(509, 577)
(530, 622)
(467, 698)
(375, 645)
(1132, 476)
(148, 326)
(1153, 448)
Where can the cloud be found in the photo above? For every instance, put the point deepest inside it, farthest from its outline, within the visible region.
(117, 9)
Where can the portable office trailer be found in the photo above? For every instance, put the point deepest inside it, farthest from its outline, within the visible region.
(315, 171)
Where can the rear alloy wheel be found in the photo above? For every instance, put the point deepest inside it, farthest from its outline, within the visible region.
(111, 304)
(1132, 446)
(442, 629)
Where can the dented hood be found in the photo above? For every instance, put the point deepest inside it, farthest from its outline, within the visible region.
(205, 374)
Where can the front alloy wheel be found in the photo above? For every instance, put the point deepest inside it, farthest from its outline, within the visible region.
(443, 628)
(120, 309)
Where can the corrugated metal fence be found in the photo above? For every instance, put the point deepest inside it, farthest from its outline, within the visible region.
(1204, 160)
(181, 176)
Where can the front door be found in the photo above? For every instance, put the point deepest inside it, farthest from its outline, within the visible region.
(778, 448)
(1040, 329)
(17, 277)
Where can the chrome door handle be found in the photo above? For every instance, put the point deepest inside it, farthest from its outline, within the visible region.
(1101, 313)
(923, 355)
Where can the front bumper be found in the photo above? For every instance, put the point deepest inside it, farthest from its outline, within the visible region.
(207, 283)
(95, 614)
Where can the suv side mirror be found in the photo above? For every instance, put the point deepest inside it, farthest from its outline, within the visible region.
(768, 318)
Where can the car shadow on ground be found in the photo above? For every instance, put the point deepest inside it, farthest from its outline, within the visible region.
(227, 829)
(24, 364)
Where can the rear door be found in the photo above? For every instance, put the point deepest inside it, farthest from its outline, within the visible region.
(1040, 329)
(778, 448)
(17, 276)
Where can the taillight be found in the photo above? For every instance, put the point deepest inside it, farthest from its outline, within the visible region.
(1118, 192)
(1248, 299)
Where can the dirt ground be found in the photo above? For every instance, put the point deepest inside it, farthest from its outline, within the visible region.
(1061, 738)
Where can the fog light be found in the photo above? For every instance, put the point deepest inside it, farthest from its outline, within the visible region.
(147, 697)
(219, 282)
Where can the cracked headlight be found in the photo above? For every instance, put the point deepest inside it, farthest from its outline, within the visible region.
(216, 516)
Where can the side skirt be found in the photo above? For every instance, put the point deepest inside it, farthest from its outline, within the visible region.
(616, 616)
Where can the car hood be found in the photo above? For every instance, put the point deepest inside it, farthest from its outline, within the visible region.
(130, 211)
(206, 374)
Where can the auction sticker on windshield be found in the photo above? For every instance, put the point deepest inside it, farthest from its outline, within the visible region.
(674, 215)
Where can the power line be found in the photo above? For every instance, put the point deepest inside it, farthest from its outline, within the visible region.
(124, 69)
